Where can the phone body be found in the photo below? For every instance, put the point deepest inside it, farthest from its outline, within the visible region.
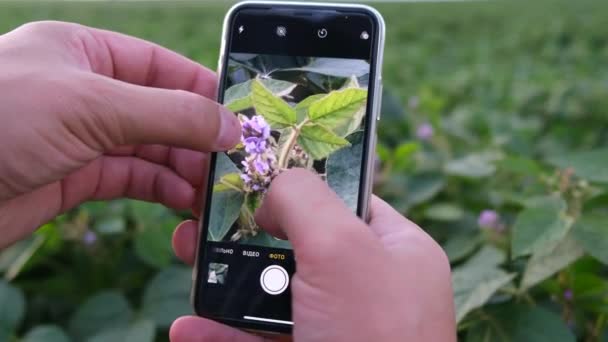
(305, 80)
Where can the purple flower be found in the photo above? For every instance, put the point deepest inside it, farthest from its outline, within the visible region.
(489, 219)
(89, 238)
(254, 145)
(425, 131)
(568, 295)
(259, 167)
(256, 127)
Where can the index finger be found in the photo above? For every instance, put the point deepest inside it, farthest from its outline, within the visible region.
(140, 62)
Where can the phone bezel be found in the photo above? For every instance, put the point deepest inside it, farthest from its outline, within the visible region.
(373, 109)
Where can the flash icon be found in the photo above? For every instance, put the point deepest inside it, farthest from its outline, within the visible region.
(241, 29)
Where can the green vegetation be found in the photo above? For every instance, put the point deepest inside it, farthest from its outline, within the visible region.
(494, 138)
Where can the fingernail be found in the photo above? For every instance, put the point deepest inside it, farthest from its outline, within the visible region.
(229, 129)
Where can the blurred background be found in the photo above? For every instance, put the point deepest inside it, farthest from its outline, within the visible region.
(494, 138)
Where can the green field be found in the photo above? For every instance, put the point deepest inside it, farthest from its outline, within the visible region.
(516, 95)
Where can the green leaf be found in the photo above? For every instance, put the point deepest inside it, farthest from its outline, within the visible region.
(240, 105)
(344, 170)
(478, 280)
(517, 323)
(591, 230)
(141, 331)
(319, 142)
(341, 111)
(302, 107)
(223, 166)
(520, 166)
(153, 243)
(383, 152)
(461, 246)
(105, 310)
(404, 154)
(546, 262)
(444, 212)
(145, 214)
(541, 226)
(166, 296)
(224, 211)
(237, 92)
(253, 201)
(276, 111)
(16, 257)
(337, 67)
(489, 256)
(473, 166)
(231, 181)
(30, 252)
(423, 187)
(590, 165)
(46, 333)
(12, 307)
(238, 97)
(320, 133)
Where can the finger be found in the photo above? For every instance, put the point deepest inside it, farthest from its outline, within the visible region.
(385, 220)
(188, 164)
(197, 329)
(399, 235)
(200, 198)
(140, 62)
(185, 239)
(115, 177)
(191, 165)
(302, 206)
(115, 113)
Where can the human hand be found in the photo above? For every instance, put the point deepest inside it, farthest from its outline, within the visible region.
(382, 281)
(84, 117)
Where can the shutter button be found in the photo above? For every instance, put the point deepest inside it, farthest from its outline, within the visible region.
(274, 280)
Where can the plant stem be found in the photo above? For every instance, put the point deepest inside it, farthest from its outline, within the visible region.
(230, 186)
(291, 142)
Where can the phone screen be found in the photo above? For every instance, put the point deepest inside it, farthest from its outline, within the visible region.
(300, 79)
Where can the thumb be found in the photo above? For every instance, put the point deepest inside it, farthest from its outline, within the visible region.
(116, 113)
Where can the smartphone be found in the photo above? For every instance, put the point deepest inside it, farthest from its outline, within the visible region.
(305, 81)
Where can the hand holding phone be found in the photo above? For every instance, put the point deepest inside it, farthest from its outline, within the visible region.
(382, 281)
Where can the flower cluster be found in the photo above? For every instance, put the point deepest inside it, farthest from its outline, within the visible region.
(260, 163)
